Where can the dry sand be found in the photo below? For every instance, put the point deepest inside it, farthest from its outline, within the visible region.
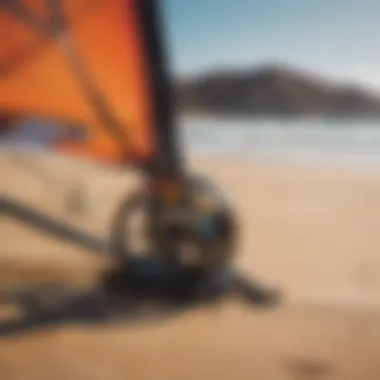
(311, 230)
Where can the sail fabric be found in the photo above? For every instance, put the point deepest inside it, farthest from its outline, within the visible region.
(46, 64)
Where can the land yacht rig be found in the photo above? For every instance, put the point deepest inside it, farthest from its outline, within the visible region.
(189, 229)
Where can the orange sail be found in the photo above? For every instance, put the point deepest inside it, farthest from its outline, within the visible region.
(82, 62)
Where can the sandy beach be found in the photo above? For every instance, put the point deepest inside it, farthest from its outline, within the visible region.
(310, 230)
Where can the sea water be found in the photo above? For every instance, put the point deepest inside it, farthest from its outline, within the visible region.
(316, 140)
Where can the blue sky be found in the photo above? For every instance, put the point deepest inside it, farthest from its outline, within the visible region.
(340, 38)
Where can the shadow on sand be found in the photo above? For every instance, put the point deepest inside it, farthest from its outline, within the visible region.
(146, 291)
(134, 298)
(45, 307)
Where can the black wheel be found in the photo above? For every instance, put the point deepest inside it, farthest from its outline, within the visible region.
(202, 231)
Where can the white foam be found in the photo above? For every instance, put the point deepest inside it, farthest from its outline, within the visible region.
(354, 142)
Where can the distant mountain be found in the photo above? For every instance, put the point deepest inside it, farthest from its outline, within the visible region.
(273, 90)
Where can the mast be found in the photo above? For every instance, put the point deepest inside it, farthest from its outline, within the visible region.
(167, 160)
